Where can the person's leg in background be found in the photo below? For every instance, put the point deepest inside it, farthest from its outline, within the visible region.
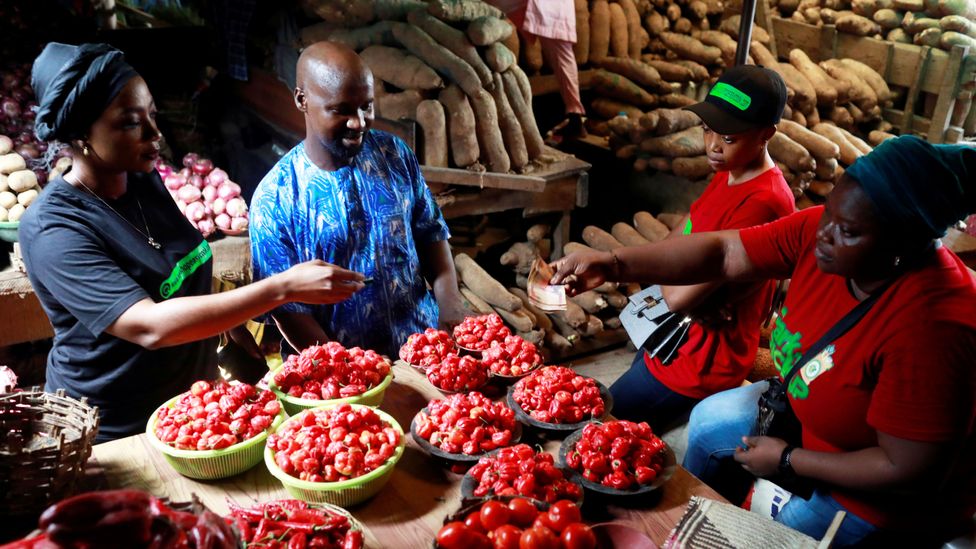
(639, 396)
(715, 429)
(561, 59)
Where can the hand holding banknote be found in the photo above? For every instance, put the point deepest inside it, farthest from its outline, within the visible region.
(542, 295)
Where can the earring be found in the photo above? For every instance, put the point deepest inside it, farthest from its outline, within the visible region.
(84, 150)
(897, 260)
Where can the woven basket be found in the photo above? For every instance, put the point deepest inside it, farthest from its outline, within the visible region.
(45, 440)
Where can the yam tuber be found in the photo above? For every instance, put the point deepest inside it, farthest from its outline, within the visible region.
(691, 167)
(498, 57)
(400, 68)
(619, 87)
(487, 30)
(857, 142)
(872, 78)
(628, 235)
(542, 320)
(688, 142)
(860, 92)
(454, 41)
(599, 30)
(430, 117)
(609, 108)
(581, 49)
(600, 239)
(634, 69)
(633, 20)
(691, 48)
(671, 219)
(520, 319)
(805, 95)
(817, 145)
(481, 283)
(618, 31)
(461, 10)
(530, 131)
(508, 123)
(394, 106)
(791, 153)
(669, 71)
(825, 91)
(574, 315)
(848, 152)
(461, 126)
(573, 247)
(475, 303)
(649, 227)
(590, 301)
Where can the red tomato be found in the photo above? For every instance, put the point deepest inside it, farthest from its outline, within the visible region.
(542, 521)
(494, 514)
(578, 536)
(562, 514)
(507, 536)
(455, 535)
(473, 522)
(538, 537)
(523, 512)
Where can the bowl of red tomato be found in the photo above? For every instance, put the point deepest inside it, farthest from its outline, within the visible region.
(463, 427)
(520, 470)
(458, 374)
(359, 445)
(216, 429)
(558, 400)
(511, 359)
(423, 349)
(618, 458)
(476, 333)
(331, 374)
(515, 522)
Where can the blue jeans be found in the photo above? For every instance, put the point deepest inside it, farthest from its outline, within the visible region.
(639, 396)
(716, 428)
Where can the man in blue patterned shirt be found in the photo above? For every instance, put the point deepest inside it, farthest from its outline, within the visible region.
(354, 197)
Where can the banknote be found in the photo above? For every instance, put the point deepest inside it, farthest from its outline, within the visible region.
(543, 295)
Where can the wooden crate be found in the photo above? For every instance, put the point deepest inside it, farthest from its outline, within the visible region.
(944, 80)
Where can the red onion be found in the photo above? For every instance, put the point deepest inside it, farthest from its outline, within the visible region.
(189, 194)
(216, 177)
(41, 176)
(28, 151)
(196, 181)
(21, 95)
(206, 226)
(194, 211)
(185, 173)
(173, 182)
(222, 221)
(219, 205)
(228, 190)
(236, 207)
(26, 137)
(41, 146)
(238, 223)
(209, 194)
(10, 81)
(202, 166)
(181, 205)
(10, 107)
(189, 159)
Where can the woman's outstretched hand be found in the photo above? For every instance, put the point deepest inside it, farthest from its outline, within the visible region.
(321, 283)
(581, 271)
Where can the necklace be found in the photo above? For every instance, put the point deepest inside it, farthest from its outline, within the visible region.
(147, 235)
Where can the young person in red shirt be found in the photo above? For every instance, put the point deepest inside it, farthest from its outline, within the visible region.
(888, 408)
(738, 117)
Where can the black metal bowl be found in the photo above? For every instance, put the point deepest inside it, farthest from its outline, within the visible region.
(667, 471)
(456, 458)
(562, 428)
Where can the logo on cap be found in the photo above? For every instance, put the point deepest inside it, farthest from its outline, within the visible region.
(731, 95)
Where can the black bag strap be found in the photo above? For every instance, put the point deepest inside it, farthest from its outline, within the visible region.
(839, 329)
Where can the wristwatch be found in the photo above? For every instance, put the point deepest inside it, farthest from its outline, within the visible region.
(785, 467)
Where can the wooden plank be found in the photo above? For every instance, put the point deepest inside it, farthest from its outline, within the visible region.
(764, 16)
(790, 35)
(920, 124)
(947, 95)
(483, 180)
(909, 115)
(828, 42)
(558, 196)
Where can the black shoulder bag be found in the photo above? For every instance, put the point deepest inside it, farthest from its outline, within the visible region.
(776, 417)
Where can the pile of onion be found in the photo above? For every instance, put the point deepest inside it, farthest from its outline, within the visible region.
(205, 195)
(17, 112)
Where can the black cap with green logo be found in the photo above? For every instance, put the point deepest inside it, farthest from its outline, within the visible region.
(745, 98)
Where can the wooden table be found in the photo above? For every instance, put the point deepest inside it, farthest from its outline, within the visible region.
(408, 512)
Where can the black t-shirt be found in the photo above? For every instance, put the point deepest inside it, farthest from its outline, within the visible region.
(88, 265)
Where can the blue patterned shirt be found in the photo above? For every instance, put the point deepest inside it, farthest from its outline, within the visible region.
(369, 216)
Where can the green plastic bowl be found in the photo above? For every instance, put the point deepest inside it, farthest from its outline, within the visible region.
(8, 230)
(293, 405)
(212, 464)
(346, 492)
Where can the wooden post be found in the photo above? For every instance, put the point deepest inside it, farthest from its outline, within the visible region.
(909, 115)
(765, 16)
(745, 31)
(828, 42)
(947, 95)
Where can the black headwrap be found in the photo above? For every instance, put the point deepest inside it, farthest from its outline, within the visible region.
(919, 187)
(74, 85)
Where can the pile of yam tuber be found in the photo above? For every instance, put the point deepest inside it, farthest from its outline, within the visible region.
(451, 66)
(936, 23)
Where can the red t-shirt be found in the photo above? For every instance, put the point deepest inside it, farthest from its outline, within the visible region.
(715, 359)
(906, 368)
